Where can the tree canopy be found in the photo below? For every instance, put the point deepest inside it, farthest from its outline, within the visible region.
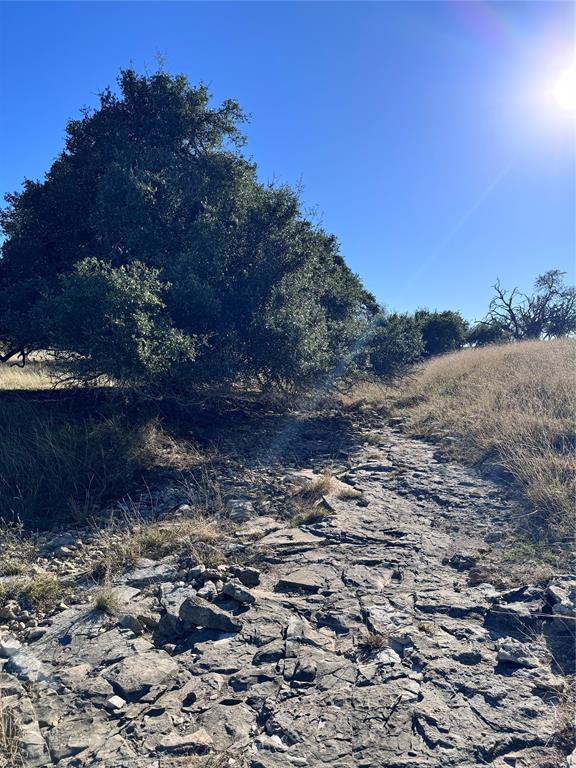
(151, 250)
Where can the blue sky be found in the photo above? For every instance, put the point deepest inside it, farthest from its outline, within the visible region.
(424, 133)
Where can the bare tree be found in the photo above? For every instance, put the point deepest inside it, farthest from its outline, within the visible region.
(550, 311)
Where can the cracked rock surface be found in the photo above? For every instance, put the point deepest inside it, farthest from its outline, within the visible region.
(361, 641)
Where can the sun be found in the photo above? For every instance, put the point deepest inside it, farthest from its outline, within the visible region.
(564, 90)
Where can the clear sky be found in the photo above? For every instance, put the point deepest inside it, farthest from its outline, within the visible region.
(424, 133)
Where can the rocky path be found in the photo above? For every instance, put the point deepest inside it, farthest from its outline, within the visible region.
(383, 635)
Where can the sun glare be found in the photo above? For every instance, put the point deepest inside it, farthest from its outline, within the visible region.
(565, 90)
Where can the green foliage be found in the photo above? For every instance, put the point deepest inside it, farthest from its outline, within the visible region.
(441, 331)
(112, 318)
(484, 333)
(156, 253)
(396, 343)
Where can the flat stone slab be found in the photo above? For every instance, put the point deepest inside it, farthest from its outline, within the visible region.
(199, 742)
(148, 572)
(134, 676)
(289, 537)
(300, 580)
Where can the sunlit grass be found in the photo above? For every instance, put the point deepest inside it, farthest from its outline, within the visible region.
(34, 375)
(513, 405)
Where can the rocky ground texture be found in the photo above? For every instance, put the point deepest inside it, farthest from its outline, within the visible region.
(386, 633)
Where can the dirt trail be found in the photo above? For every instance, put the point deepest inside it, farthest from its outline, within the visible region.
(380, 636)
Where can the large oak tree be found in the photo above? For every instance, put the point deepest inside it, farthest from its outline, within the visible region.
(152, 251)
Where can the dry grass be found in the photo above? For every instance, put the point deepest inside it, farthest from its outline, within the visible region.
(18, 550)
(107, 601)
(40, 592)
(158, 448)
(327, 484)
(194, 537)
(308, 504)
(303, 513)
(34, 375)
(65, 460)
(65, 455)
(513, 405)
(10, 756)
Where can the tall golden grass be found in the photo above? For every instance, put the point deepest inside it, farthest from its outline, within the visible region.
(34, 375)
(513, 405)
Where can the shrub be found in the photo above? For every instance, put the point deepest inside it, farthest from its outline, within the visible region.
(396, 343)
(484, 333)
(112, 320)
(441, 331)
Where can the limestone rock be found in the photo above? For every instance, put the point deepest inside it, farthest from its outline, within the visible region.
(300, 580)
(234, 589)
(199, 743)
(250, 577)
(129, 621)
(195, 612)
(514, 652)
(134, 676)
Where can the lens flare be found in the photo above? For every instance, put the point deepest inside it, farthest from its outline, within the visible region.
(565, 90)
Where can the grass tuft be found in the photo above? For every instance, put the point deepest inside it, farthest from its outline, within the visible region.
(10, 754)
(107, 601)
(193, 538)
(371, 644)
(327, 484)
(41, 592)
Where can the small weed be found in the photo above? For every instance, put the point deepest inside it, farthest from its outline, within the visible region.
(371, 644)
(428, 627)
(303, 515)
(107, 601)
(525, 551)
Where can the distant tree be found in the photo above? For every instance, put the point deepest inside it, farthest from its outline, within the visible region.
(151, 250)
(549, 311)
(395, 344)
(441, 331)
(484, 333)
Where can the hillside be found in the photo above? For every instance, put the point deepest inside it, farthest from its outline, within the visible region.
(510, 410)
